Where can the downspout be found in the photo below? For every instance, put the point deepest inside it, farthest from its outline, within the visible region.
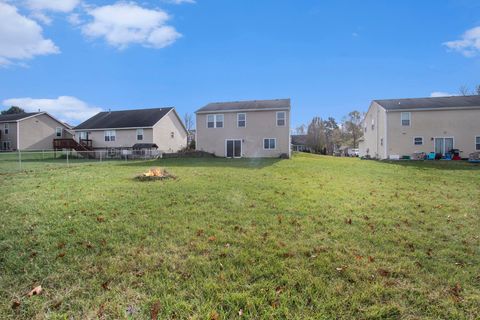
(385, 142)
(18, 134)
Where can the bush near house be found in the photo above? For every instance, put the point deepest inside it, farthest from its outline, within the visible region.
(308, 238)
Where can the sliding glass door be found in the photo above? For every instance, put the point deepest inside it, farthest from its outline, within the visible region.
(443, 145)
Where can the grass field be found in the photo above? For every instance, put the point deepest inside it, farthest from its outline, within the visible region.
(308, 238)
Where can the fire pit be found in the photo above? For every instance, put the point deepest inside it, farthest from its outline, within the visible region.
(155, 174)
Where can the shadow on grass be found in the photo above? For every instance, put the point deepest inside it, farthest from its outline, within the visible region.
(437, 164)
(257, 163)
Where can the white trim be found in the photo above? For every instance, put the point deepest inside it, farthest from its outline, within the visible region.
(245, 114)
(241, 148)
(61, 132)
(453, 145)
(284, 119)
(275, 139)
(215, 121)
(241, 110)
(110, 136)
(431, 109)
(409, 118)
(418, 137)
(103, 129)
(136, 134)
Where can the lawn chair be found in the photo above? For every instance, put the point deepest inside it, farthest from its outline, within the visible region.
(431, 156)
(448, 156)
(474, 157)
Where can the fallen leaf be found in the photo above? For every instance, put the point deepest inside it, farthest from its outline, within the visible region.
(348, 221)
(240, 312)
(35, 291)
(212, 238)
(199, 232)
(214, 315)
(100, 219)
(155, 310)
(105, 285)
(371, 259)
(61, 255)
(15, 304)
(383, 272)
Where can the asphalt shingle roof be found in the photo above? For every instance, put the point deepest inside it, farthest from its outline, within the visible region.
(140, 118)
(17, 116)
(431, 103)
(246, 105)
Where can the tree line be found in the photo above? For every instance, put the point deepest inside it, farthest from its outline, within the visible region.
(326, 136)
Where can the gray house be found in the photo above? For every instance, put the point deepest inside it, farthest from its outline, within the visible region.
(259, 128)
(158, 128)
(404, 127)
(31, 131)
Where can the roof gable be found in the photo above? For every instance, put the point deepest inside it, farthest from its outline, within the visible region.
(455, 102)
(141, 118)
(255, 105)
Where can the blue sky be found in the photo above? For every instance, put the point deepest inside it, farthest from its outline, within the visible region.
(74, 57)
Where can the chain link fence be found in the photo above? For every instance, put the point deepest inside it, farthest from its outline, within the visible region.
(43, 159)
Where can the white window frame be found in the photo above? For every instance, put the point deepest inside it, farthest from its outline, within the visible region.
(110, 134)
(215, 120)
(244, 120)
(477, 143)
(57, 131)
(275, 143)
(409, 119)
(6, 128)
(418, 137)
(138, 133)
(284, 118)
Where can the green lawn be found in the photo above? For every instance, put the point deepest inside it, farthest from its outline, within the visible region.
(308, 238)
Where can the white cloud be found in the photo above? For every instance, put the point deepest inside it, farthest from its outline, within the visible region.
(20, 37)
(74, 19)
(437, 94)
(180, 1)
(468, 45)
(122, 24)
(52, 5)
(65, 108)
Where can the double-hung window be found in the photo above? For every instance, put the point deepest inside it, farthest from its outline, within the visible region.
(139, 134)
(418, 141)
(281, 118)
(373, 124)
(405, 116)
(6, 128)
(215, 121)
(241, 120)
(269, 143)
(110, 135)
(477, 143)
(58, 132)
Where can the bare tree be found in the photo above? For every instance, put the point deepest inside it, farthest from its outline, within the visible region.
(300, 130)
(463, 90)
(188, 121)
(353, 127)
(477, 90)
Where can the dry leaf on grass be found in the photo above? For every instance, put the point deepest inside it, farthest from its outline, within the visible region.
(15, 304)
(212, 238)
(35, 291)
(155, 310)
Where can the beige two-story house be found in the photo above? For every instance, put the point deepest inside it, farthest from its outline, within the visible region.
(158, 128)
(403, 127)
(259, 128)
(31, 131)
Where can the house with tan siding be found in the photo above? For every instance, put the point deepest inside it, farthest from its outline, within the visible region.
(31, 131)
(403, 127)
(258, 128)
(158, 128)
